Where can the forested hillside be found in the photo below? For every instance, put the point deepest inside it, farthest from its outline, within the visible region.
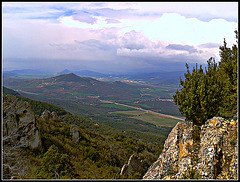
(94, 155)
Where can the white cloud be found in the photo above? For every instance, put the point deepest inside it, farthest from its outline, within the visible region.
(169, 27)
(176, 28)
(87, 31)
(204, 11)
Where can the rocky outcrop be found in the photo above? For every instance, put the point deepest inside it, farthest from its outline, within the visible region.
(55, 116)
(47, 115)
(134, 164)
(29, 135)
(206, 152)
(19, 123)
(74, 132)
(218, 150)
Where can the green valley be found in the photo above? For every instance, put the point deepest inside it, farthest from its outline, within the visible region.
(99, 153)
(95, 100)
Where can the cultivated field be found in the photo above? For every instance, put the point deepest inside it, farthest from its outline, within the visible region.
(159, 121)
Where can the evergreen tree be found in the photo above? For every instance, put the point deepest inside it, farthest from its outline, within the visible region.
(55, 165)
(228, 72)
(210, 92)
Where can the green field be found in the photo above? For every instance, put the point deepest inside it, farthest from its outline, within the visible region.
(101, 113)
(116, 107)
(159, 121)
(141, 105)
(163, 92)
(128, 113)
(83, 94)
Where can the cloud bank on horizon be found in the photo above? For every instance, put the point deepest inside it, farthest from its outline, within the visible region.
(114, 36)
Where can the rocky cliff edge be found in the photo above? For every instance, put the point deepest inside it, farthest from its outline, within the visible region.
(192, 152)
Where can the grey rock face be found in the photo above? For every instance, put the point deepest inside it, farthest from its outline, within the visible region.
(174, 158)
(74, 132)
(30, 136)
(47, 115)
(54, 116)
(19, 123)
(210, 148)
(214, 156)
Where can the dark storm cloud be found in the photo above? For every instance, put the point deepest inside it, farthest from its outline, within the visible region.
(94, 44)
(91, 44)
(63, 47)
(188, 48)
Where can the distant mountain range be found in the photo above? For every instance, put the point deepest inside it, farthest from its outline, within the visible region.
(66, 71)
(158, 77)
(84, 73)
(25, 72)
(152, 77)
(71, 85)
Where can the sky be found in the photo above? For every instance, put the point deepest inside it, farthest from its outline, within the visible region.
(114, 36)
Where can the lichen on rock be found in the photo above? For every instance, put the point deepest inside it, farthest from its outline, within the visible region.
(212, 156)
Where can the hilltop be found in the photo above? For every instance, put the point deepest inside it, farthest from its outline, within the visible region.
(68, 84)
